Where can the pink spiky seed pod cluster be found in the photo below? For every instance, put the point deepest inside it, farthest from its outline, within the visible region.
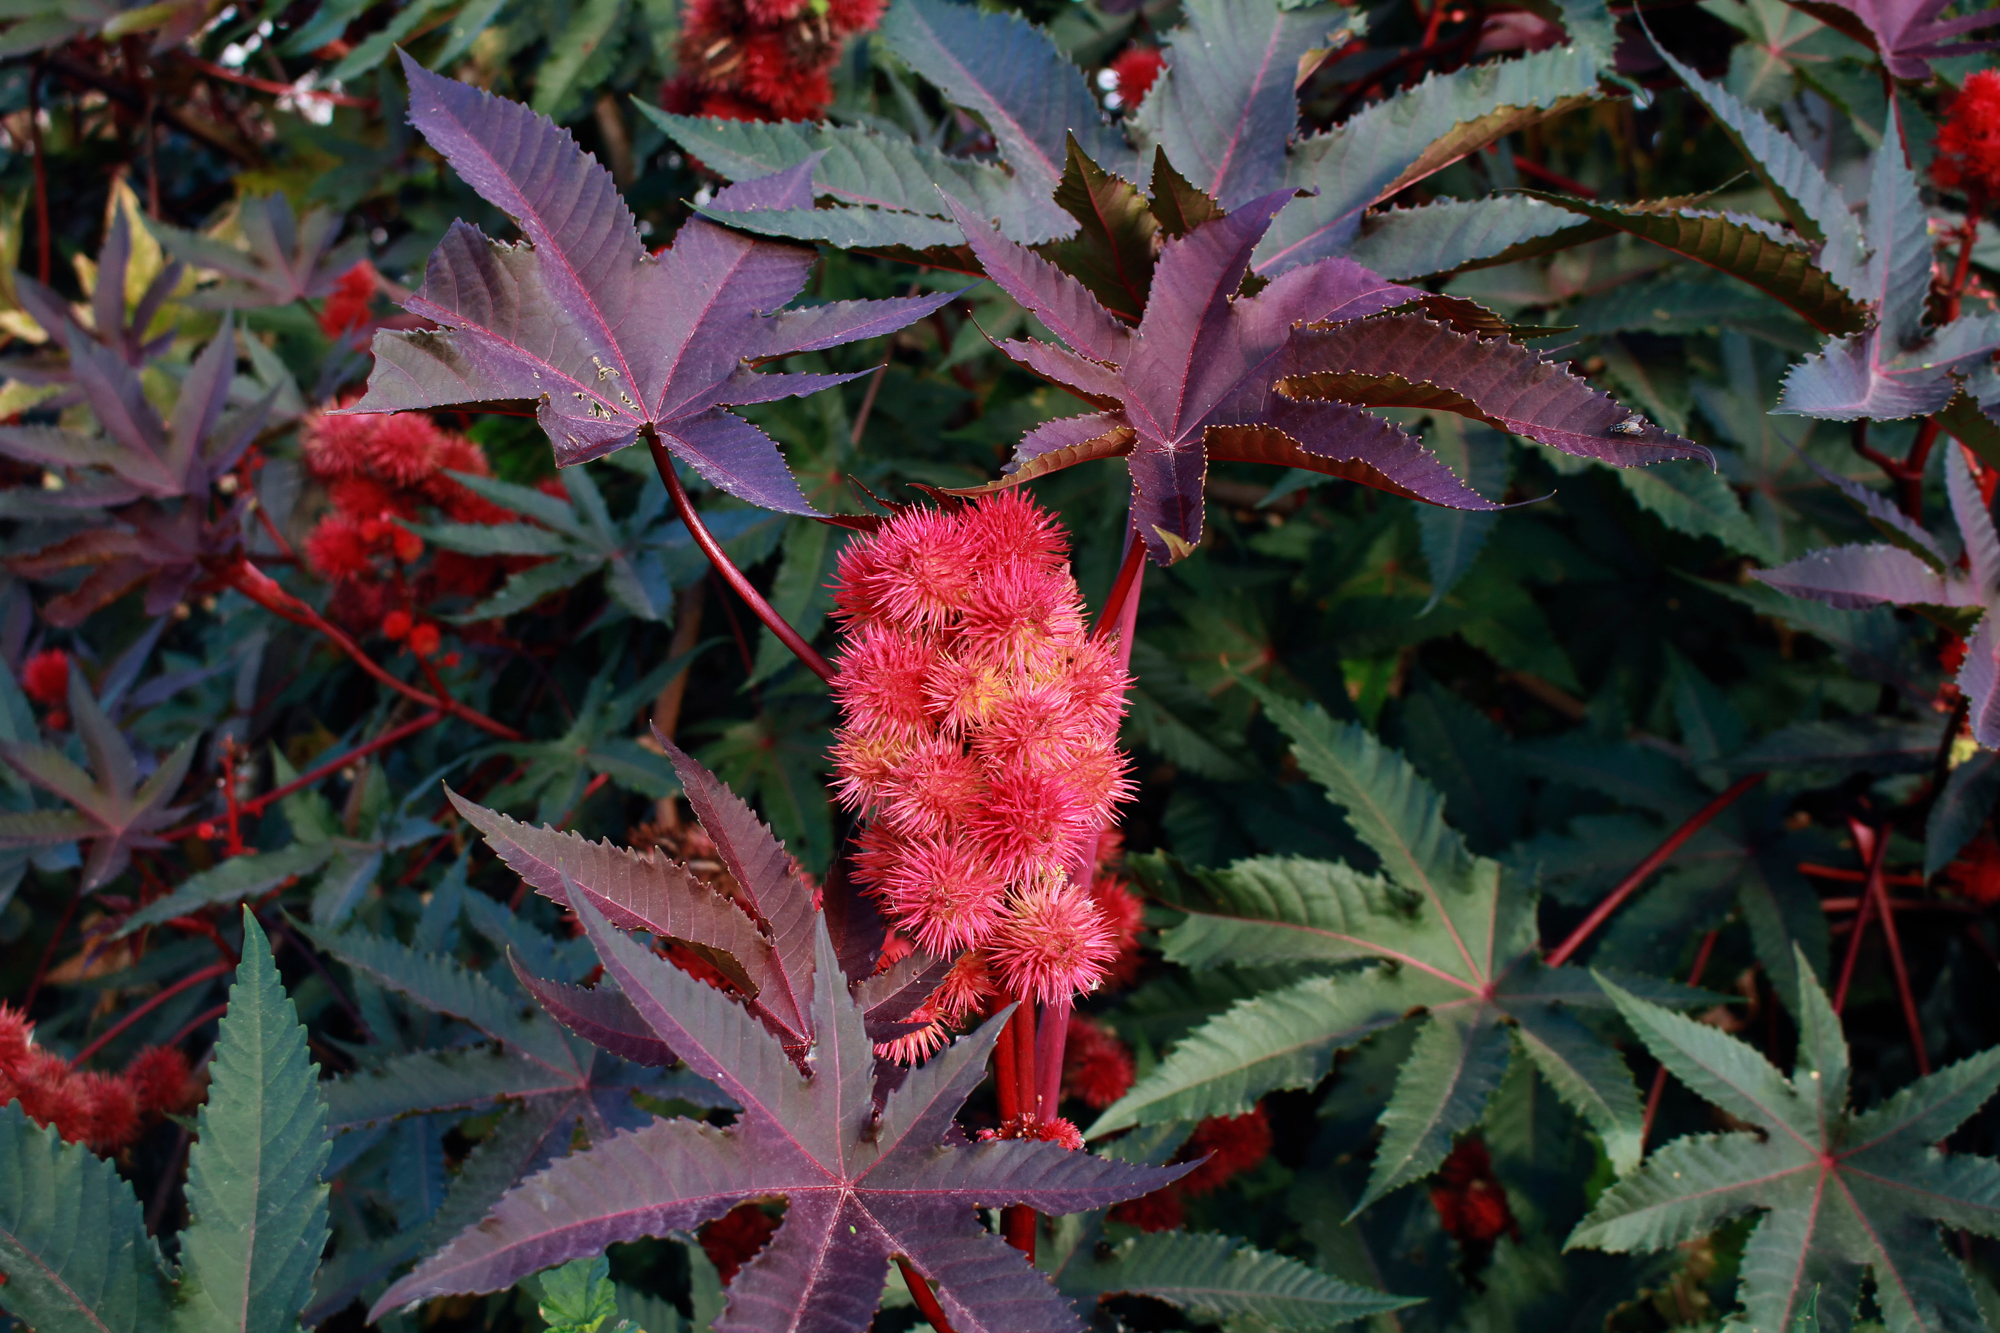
(980, 741)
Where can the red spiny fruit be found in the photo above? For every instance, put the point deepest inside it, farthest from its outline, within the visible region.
(378, 470)
(1162, 1210)
(763, 59)
(1471, 1203)
(1968, 143)
(1975, 875)
(425, 640)
(1051, 944)
(105, 1111)
(1097, 1067)
(1233, 1144)
(1136, 68)
(979, 738)
(1124, 913)
(347, 306)
(45, 677)
(733, 1239)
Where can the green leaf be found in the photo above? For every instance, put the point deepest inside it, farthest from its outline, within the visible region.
(1446, 235)
(1409, 135)
(996, 64)
(572, 46)
(1746, 248)
(1698, 501)
(844, 226)
(234, 879)
(1812, 204)
(1961, 809)
(73, 1242)
(579, 1297)
(1842, 1193)
(867, 168)
(1284, 1038)
(1225, 105)
(1455, 1065)
(257, 1210)
(1220, 1278)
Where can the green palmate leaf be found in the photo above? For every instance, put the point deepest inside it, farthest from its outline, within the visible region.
(1811, 203)
(1698, 501)
(1028, 93)
(1407, 136)
(1443, 933)
(868, 168)
(579, 1297)
(231, 881)
(1215, 1277)
(257, 1210)
(589, 26)
(73, 1242)
(1750, 249)
(1284, 1038)
(846, 227)
(1226, 105)
(1450, 234)
(1842, 1193)
(1961, 809)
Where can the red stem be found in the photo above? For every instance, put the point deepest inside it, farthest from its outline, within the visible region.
(1006, 1079)
(1701, 957)
(1051, 1035)
(1897, 964)
(1872, 852)
(275, 88)
(926, 1300)
(1129, 574)
(234, 847)
(260, 588)
(193, 979)
(734, 577)
(1644, 870)
(270, 798)
(1527, 166)
(1853, 877)
(208, 1017)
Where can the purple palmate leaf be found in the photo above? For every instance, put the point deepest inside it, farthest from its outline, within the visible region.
(1907, 33)
(1210, 374)
(605, 338)
(862, 1184)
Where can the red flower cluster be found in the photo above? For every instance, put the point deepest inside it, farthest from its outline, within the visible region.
(1097, 1067)
(980, 734)
(45, 677)
(105, 1111)
(1136, 68)
(1471, 1203)
(1975, 875)
(1968, 143)
(349, 306)
(763, 59)
(1037, 1130)
(733, 1239)
(1233, 1144)
(377, 470)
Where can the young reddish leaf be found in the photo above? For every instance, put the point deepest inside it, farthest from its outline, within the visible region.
(1410, 361)
(861, 1184)
(605, 338)
(646, 891)
(1212, 374)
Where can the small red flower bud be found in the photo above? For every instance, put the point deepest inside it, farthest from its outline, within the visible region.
(396, 625)
(45, 677)
(424, 640)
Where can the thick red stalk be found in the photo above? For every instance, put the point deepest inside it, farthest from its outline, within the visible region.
(270, 798)
(1050, 1037)
(1701, 957)
(1644, 870)
(926, 1300)
(262, 589)
(734, 577)
(207, 974)
(1872, 853)
(1124, 591)
(1898, 966)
